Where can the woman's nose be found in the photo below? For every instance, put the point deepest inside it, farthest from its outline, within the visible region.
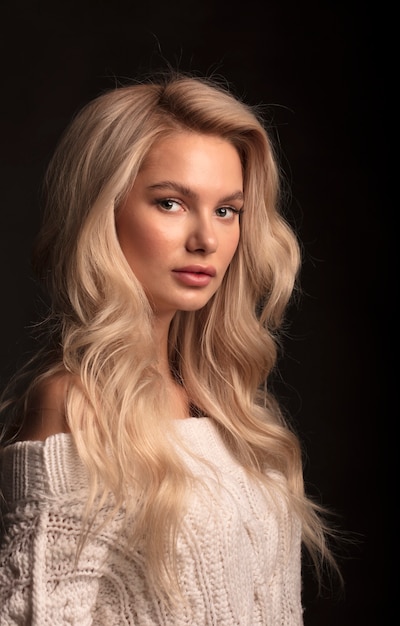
(202, 236)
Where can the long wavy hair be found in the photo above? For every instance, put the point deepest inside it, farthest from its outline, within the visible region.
(100, 323)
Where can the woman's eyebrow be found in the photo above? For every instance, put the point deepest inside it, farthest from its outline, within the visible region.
(170, 184)
(190, 193)
(237, 195)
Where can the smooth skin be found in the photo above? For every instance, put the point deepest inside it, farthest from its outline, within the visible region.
(182, 212)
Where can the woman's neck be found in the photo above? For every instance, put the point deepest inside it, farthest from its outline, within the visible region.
(176, 392)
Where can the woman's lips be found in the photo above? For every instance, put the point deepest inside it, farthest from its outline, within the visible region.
(195, 275)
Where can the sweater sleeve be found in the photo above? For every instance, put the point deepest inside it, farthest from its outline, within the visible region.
(41, 520)
(42, 583)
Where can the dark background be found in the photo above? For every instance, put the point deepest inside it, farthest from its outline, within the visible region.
(320, 70)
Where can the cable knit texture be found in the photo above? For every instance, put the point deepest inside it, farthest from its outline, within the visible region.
(238, 549)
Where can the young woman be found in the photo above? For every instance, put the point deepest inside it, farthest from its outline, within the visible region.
(148, 474)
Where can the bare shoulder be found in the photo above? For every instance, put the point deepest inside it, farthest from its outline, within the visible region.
(46, 413)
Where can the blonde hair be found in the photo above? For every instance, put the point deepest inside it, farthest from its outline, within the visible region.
(101, 323)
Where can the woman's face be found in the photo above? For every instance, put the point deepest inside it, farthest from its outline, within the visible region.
(179, 225)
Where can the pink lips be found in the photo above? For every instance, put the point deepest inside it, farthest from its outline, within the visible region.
(195, 275)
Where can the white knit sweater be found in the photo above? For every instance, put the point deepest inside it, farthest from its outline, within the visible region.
(238, 551)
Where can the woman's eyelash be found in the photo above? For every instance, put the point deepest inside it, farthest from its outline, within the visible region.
(163, 201)
(231, 208)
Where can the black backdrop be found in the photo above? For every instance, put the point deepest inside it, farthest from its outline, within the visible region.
(318, 68)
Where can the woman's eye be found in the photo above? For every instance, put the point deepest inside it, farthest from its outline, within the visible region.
(227, 211)
(169, 205)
